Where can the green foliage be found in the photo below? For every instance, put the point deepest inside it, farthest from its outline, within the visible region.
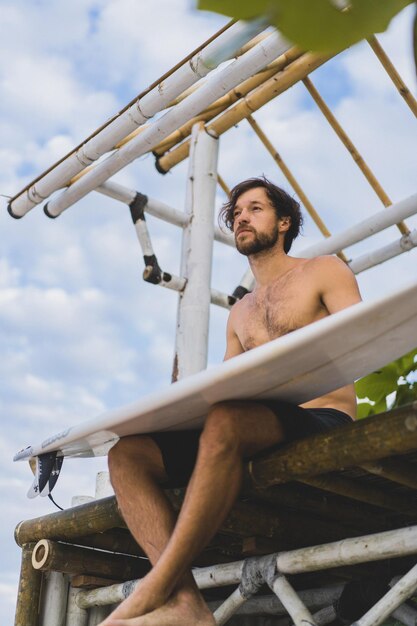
(398, 378)
(315, 24)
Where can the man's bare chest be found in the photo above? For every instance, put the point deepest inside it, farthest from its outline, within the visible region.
(275, 311)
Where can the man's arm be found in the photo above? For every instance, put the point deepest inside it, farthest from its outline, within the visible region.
(233, 345)
(338, 286)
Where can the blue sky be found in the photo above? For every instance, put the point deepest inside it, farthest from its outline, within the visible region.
(79, 330)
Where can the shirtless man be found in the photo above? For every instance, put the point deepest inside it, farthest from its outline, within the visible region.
(290, 293)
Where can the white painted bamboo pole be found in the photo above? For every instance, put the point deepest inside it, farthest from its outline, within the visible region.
(54, 600)
(314, 599)
(297, 610)
(375, 547)
(158, 209)
(76, 616)
(197, 250)
(400, 592)
(97, 615)
(205, 577)
(229, 607)
(215, 87)
(406, 615)
(370, 259)
(157, 99)
(373, 224)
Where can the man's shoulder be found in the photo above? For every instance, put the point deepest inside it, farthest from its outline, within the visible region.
(328, 264)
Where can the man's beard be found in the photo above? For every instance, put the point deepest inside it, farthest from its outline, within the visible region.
(258, 243)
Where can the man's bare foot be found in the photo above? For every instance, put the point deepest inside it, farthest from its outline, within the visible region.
(184, 609)
(142, 600)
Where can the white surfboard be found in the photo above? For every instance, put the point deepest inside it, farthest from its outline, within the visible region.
(298, 367)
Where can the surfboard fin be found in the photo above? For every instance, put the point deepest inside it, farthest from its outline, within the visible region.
(48, 468)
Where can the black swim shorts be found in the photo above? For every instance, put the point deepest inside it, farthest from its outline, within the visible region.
(179, 448)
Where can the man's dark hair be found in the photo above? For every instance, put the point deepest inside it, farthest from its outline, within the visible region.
(283, 203)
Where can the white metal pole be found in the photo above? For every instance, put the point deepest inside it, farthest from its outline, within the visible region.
(297, 610)
(54, 601)
(216, 86)
(400, 592)
(373, 224)
(197, 247)
(221, 49)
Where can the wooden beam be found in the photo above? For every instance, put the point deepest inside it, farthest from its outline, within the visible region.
(370, 494)
(370, 439)
(29, 591)
(89, 518)
(395, 470)
(69, 559)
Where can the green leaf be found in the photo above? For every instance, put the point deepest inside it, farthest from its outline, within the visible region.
(406, 394)
(315, 24)
(378, 384)
(407, 363)
(364, 410)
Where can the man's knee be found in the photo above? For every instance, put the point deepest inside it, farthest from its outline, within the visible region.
(222, 429)
(141, 451)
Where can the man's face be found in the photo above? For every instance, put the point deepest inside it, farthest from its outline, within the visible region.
(256, 225)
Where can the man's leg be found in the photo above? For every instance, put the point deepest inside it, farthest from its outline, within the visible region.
(137, 470)
(233, 430)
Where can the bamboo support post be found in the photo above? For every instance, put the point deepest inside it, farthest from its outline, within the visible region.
(393, 74)
(364, 493)
(293, 181)
(379, 436)
(348, 143)
(253, 101)
(97, 615)
(92, 517)
(54, 598)
(29, 591)
(60, 557)
(397, 471)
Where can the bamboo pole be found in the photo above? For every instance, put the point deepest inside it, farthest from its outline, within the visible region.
(29, 591)
(69, 559)
(348, 143)
(92, 517)
(379, 436)
(192, 328)
(369, 226)
(154, 99)
(385, 253)
(228, 78)
(54, 598)
(356, 490)
(399, 472)
(253, 101)
(223, 185)
(296, 608)
(233, 96)
(293, 181)
(302, 498)
(76, 616)
(393, 74)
